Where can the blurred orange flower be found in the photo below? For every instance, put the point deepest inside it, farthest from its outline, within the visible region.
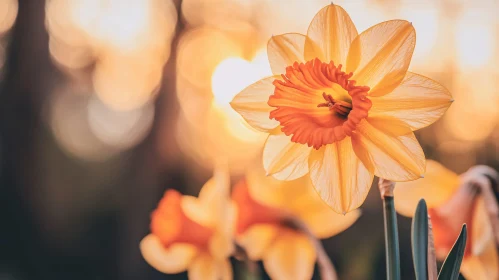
(193, 234)
(343, 127)
(264, 206)
(449, 206)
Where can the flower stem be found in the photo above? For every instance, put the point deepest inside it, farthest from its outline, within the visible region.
(252, 271)
(391, 230)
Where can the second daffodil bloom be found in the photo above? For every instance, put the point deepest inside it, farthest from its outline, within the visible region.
(451, 204)
(264, 206)
(193, 234)
(342, 106)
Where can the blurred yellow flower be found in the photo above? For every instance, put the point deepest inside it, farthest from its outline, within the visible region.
(263, 207)
(343, 127)
(449, 206)
(193, 234)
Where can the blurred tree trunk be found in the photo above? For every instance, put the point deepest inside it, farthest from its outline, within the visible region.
(24, 82)
(153, 176)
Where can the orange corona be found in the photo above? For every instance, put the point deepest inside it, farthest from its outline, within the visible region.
(250, 212)
(171, 225)
(304, 95)
(446, 230)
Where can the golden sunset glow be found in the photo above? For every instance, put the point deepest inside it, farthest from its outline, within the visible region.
(240, 139)
(129, 42)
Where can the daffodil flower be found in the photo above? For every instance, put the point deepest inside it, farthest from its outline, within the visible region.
(451, 204)
(342, 106)
(193, 234)
(263, 206)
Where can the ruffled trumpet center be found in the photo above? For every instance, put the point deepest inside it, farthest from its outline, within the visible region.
(317, 103)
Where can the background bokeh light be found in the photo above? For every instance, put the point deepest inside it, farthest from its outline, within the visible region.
(107, 103)
(119, 48)
(8, 14)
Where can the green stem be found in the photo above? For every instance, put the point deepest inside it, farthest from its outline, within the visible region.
(252, 272)
(250, 269)
(391, 239)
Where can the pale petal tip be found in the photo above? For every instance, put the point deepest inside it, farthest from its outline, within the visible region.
(234, 105)
(451, 100)
(422, 175)
(344, 213)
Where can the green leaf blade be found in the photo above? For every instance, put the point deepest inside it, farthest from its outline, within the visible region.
(419, 241)
(452, 264)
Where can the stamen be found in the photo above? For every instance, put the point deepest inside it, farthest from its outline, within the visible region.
(341, 107)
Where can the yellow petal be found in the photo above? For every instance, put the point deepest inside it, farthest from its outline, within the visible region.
(329, 35)
(208, 192)
(273, 192)
(300, 198)
(324, 222)
(215, 193)
(437, 186)
(257, 239)
(379, 57)
(339, 177)
(483, 267)
(284, 50)
(205, 267)
(482, 230)
(221, 244)
(215, 199)
(390, 125)
(396, 158)
(283, 159)
(197, 211)
(291, 257)
(418, 102)
(173, 260)
(251, 104)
